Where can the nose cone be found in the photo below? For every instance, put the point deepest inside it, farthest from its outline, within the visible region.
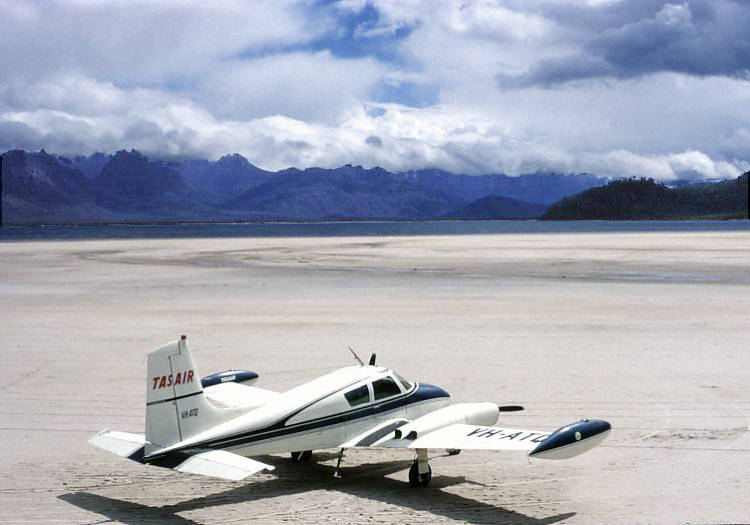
(427, 391)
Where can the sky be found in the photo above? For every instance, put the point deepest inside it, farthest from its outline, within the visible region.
(618, 88)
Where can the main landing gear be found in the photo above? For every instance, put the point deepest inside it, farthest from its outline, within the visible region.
(301, 457)
(420, 472)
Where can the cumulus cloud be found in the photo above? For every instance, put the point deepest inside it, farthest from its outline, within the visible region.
(699, 37)
(310, 86)
(649, 88)
(393, 136)
(142, 41)
(688, 165)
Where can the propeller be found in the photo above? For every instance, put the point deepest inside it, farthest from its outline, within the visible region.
(356, 357)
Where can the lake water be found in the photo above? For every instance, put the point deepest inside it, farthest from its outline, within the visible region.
(353, 229)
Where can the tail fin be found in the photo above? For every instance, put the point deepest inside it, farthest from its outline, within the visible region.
(176, 408)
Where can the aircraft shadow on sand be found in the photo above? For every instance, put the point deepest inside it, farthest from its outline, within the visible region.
(366, 481)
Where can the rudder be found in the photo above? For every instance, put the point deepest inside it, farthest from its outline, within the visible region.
(176, 408)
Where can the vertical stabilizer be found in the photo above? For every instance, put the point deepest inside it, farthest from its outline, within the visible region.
(176, 408)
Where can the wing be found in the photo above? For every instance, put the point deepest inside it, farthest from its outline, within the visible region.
(565, 442)
(470, 437)
(213, 463)
(452, 436)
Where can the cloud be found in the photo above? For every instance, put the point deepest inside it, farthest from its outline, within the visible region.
(689, 165)
(310, 86)
(141, 41)
(643, 88)
(396, 137)
(699, 37)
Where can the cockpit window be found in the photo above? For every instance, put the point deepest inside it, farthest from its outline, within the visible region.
(403, 382)
(385, 387)
(358, 396)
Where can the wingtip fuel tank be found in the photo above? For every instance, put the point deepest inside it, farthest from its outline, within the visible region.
(571, 440)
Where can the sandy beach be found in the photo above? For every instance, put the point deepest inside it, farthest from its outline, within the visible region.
(649, 331)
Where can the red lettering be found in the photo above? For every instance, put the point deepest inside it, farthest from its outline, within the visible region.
(190, 377)
(163, 382)
(169, 380)
(178, 379)
(156, 380)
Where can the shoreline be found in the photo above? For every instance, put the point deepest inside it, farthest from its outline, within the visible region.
(354, 228)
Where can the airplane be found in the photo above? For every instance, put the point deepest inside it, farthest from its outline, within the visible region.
(214, 425)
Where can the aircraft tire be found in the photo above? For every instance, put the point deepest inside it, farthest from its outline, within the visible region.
(418, 480)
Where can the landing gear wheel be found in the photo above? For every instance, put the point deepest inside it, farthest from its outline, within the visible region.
(419, 480)
(453, 451)
(301, 457)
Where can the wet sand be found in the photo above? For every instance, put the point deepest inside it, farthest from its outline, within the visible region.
(649, 331)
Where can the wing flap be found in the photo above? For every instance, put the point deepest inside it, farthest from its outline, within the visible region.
(373, 436)
(472, 437)
(221, 464)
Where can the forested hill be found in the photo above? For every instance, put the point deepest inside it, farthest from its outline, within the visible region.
(646, 199)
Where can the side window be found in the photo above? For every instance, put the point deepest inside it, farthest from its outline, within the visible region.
(385, 387)
(358, 396)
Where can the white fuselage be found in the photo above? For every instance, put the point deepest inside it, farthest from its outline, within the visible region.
(323, 413)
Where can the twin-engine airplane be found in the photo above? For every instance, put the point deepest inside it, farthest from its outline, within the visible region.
(210, 426)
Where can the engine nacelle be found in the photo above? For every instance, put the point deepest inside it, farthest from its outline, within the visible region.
(482, 414)
(246, 377)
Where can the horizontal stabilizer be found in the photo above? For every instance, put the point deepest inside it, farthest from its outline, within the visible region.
(123, 444)
(221, 464)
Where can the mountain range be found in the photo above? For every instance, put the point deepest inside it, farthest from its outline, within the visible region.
(41, 188)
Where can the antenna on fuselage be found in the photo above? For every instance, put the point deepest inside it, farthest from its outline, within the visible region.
(372, 359)
(356, 357)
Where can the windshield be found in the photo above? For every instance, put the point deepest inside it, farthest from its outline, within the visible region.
(403, 382)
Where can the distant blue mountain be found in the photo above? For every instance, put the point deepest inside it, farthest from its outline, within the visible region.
(539, 188)
(129, 182)
(349, 192)
(43, 188)
(224, 179)
(498, 207)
